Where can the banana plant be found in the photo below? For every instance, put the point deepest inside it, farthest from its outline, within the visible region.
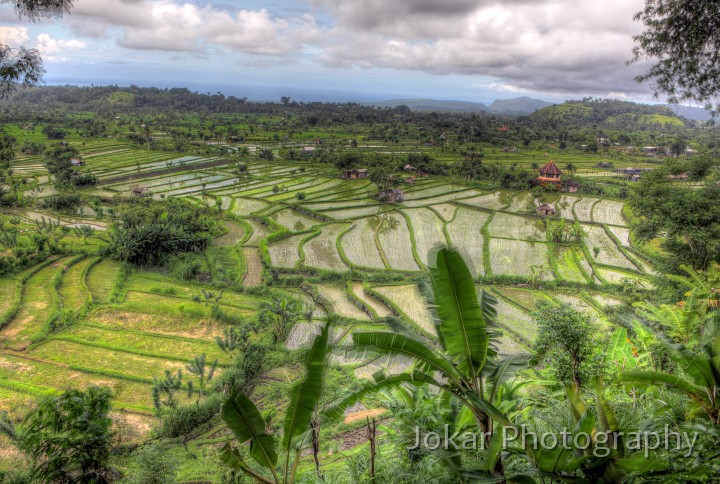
(243, 418)
(683, 322)
(700, 377)
(464, 363)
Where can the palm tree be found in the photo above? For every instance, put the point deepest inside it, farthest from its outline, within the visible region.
(570, 167)
(282, 313)
(464, 363)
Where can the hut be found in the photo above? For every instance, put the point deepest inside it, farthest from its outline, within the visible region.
(545, 210)
(139, 191)
(76, 162)
(410, 180)
(571, 186)
(355, 174)
(550, 175)
(409, 168)
(391, 195)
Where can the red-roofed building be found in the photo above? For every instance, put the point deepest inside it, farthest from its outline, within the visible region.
(550, 175)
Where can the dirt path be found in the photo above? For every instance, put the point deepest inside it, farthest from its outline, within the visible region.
(234, 235)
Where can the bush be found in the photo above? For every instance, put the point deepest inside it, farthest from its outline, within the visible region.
(63, 203)
(84, 180)
(184, 419)
(155, 465)
(184, 266)
(149, 231)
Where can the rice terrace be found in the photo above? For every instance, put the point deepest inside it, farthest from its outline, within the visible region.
(293, 240)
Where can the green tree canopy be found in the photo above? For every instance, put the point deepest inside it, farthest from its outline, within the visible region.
(687, 217)
(683, 38)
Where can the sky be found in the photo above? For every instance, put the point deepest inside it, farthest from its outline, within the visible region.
(342, 50)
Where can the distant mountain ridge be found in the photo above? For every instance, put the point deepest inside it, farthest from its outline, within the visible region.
(517, 106)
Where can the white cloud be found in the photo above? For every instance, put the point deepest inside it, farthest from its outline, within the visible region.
(566, 46)
(563, 47)
(14, 36)
(171, 25)
(56, 49)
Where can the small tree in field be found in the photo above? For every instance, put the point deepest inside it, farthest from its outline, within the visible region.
(68, 438)
(566, 338)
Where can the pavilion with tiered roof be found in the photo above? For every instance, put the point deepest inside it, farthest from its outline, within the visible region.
(550, 175)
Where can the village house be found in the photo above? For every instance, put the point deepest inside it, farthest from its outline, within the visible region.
(139, 191)
(650, 150)
(76, 162)
(355, 174)
(631, 174)
(409, 168)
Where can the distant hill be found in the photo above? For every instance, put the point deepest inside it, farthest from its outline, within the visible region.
(690, 112)
(611, 111)
(434, 105)
(518, 105)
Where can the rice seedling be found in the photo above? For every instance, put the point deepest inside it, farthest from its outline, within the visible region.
(622, 234)
(260, 231)
(411, 303)
(37, 300)
(491, 201)
(445, 210)
(246, 206)
(356, 212)
(459, 194)
(427, 230)
(284, 252)
(576, 302)
(465, 233)
(564, 206)
(604, 249)
(321, 251)
(101, 278)
(510, 346)
(341, 304)
(517, 321)
(302, 335)
(140, 368)
(522, 202)
(381, 309)
(566, 265)
(358, 245)
(583, 208)
(609, 212)
(294, 221)
(394, 238)
(517, 257)
(514, 227)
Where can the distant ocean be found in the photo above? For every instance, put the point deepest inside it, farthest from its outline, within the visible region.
(252, 92)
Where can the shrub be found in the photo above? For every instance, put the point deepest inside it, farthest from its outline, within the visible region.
(186, 418)
(184, 266)
(155, 465)
(63, 203)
